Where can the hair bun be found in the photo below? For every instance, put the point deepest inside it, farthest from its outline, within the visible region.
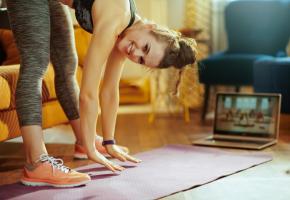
(179, 52)
(186, 54)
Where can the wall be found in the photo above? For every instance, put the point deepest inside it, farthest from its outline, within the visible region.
(175, 13)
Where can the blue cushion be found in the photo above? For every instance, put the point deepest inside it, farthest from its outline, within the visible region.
(273, 76)
(228, 69)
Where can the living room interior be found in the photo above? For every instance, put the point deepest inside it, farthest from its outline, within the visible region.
(241, 50)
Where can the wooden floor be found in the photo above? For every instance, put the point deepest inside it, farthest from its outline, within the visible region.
(267, 181)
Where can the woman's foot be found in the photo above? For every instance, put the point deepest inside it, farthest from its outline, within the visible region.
(49, 171)
(80, 152)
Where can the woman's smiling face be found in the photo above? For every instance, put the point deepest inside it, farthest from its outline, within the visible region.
(140, 46)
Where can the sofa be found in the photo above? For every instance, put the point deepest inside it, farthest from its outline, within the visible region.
(273, 76)
(255, 29)
(132, 90)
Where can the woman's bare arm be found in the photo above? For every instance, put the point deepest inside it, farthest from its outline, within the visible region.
(110, 103)
(109, 98)
(101, 45)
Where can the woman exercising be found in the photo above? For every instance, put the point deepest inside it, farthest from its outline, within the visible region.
(44, 31)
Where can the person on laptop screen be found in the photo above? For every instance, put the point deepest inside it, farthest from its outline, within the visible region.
(246, 114)
(245, 121)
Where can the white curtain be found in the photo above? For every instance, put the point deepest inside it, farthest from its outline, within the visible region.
(219, 40)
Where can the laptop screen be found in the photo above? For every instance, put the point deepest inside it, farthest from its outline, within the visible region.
(254, 115)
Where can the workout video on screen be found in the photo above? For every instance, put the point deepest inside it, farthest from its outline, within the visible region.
(246, 114)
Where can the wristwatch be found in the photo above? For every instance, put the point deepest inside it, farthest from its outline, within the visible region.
(108, 142)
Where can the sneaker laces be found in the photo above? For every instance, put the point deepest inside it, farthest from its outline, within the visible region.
(55, 162)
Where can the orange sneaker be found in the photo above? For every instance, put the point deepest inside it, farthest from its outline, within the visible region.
(80, 152)
(50, 171)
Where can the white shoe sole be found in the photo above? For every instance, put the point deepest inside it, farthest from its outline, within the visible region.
(80, 156)
(28, 183)
(85, 157)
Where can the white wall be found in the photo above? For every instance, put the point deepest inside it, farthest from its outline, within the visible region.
(175, 13)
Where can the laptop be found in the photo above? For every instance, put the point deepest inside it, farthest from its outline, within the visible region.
(249, 121)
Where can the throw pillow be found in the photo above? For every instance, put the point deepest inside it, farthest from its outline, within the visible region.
(9, 47)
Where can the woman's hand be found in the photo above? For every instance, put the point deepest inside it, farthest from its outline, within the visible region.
(99, 158)
(116, 152)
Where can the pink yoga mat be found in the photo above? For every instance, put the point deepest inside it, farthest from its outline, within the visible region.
(163, 172)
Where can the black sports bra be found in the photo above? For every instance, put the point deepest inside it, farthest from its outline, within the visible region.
(84, 15)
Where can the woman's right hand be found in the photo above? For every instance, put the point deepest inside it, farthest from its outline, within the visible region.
(99, 158)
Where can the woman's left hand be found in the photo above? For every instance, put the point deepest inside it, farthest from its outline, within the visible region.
(116, 152)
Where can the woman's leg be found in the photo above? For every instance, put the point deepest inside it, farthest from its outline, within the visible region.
(31, 28)
(64, 59)
(30, 22)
